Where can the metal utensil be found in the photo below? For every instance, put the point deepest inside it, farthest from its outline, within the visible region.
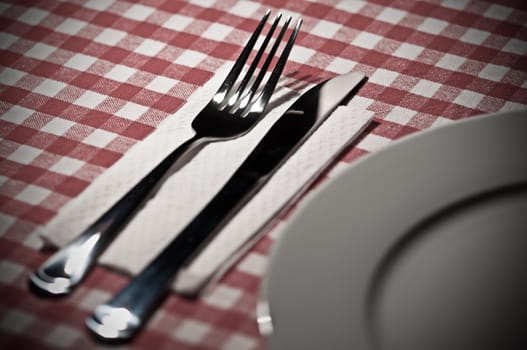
(121, 317)
(232, 111)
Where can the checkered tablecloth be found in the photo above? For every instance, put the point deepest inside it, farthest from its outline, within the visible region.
(83, 81)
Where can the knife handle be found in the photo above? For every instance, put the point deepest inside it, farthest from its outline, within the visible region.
(124, 315)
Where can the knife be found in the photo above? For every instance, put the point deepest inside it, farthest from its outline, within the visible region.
(127, 312)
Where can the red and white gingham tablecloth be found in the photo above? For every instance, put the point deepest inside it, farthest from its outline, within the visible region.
(82, 81)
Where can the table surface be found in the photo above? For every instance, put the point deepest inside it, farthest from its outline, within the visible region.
(83, 81)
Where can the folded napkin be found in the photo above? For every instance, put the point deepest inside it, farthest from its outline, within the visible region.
(186, 191)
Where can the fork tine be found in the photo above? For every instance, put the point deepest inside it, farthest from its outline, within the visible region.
(254, 64)
(263, 98)
(277, 71)
(265, 66)
(240, 62)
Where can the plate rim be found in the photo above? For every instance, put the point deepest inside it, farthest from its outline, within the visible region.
(265, 306)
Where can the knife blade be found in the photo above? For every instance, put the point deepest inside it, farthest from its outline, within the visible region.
(122, 316)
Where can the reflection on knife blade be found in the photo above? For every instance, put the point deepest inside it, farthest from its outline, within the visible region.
(127, 311)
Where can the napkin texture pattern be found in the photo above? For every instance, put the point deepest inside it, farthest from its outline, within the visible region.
(184, 192)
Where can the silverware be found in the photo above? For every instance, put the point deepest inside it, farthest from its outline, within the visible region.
(121, 317)
(233, 110)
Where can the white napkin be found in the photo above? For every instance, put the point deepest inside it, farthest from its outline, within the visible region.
(188, 190)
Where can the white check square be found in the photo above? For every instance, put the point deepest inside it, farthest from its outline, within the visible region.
(223, 297)
(162, 84)
(432, 26)
(62, 336)
(351, 6)
(366, 40)
(40, 51)
(190, 58)
(24, 154)
(57, 126)
(139, 12)
(302, 54)
(99, 138)
(326, 29)
(4, 6)
(206, 3)
(131, 111)
(493, 72)
(254, 264)
(10, 76)
(516, 46)
(455, 4)
(341, 65)
(192, 331)
(16, 321)
(110, 36)
(239, 341)
(217, 31)
(99, 5)
(33, 194)
(400, 115)
(408, 51)
(441, 121)
(474, 36)
(90, 99)
(92, 298)
(360, 102)
(177, 22)
(383, 77)
(373, 142)
(391, 15)
(50, 87)
(469, 99)
(71, 26)
(80, 62)
(17, 114)
(5, 223)
(425, 88)
(150, 47)
(498, 12)
(33, 16)
(10, 271)
(6, 40)
(512, 106)
(120, 73)
(67, 166)
(451, 62)
(244, 8)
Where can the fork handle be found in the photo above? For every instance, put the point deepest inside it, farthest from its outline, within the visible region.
(68, 266)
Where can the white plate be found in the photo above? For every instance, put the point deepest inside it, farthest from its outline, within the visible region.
(421, 245)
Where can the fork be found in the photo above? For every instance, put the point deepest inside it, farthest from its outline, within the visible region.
(233, 110)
